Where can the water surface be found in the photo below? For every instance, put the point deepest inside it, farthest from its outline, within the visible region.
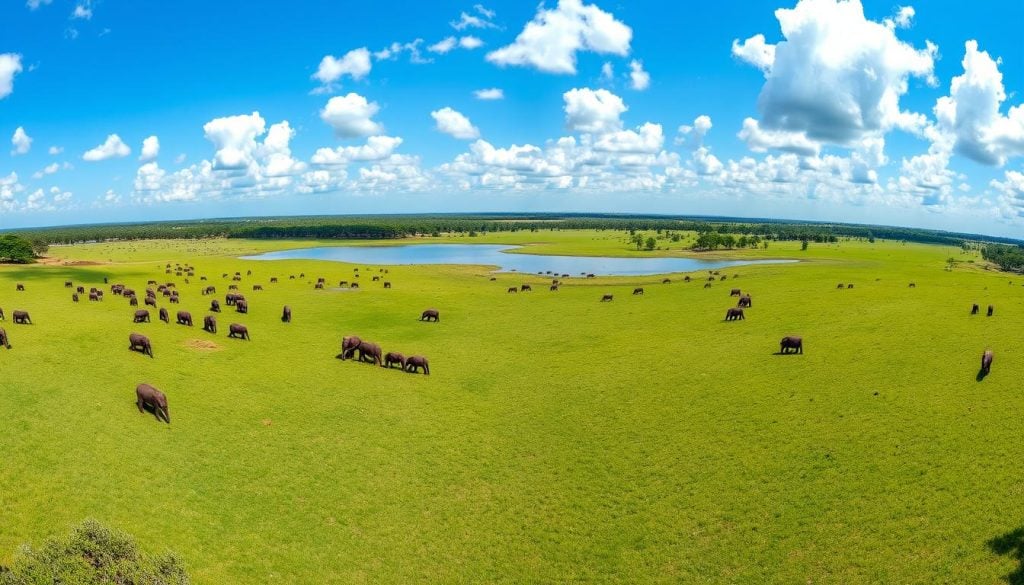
(495, 255)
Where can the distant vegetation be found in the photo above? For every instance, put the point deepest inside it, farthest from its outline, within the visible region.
(18, 250)
(713, 232)
(1008, 258)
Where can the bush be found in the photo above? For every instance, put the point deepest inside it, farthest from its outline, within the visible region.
(92, 554)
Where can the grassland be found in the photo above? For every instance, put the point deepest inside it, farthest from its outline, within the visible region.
(558, 439)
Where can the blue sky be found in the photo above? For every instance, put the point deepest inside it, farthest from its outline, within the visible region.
(881, 113)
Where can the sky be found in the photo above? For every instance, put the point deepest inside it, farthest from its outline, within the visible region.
(835, 110)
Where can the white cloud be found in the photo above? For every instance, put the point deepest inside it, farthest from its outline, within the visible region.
(10, 65)
(234, 138)
(112, 147)
(648, 138)
(903, 19)
(551, 40)
(837, 76)
(470, 42)
(47, 170)
(150, 149)
(82, 12)
(55, 150)
(443, 46)
(180, 158)
(970, 114)
(1010, 189)
(760, 140)
(393, 50)
(376, 148)
(694, 134)
(351, 116)
(454, 124)
(34, 4)
(638, 78)
(607, 72)
(355, 64)
(472, 21)
(21, 142)
(593, 111)
(492, 93)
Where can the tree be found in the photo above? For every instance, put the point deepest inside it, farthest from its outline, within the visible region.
(638, 240)
(16, 250)
(803, 244)
(650, 244)
(92, 555)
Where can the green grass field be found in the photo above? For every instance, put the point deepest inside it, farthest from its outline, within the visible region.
(558, 439)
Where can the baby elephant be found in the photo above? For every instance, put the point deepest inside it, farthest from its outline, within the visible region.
(414, 363)
(141, 316)
(734, 313)
(147, 396)
(238, 331)
(394, 358)
(140, 343)
(430, 315)
(22, 318)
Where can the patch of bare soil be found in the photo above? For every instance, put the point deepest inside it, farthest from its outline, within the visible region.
(202, 345)
(58, 262)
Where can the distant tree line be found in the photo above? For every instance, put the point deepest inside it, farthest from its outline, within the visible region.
(401, 226)
(1008, 258)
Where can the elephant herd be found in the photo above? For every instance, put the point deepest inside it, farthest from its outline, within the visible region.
(372, 353)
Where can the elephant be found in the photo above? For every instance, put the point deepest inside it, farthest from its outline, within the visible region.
(525, 288)
(591, 275)
(151, 302)
(68, 284)
(321, 280)
(74, 297)
(387, 284)
(849, 286)
(687, 279)
(164, 316)
(273, 279)
(22, 318)
(553, 287)
(430, 315)
(638, 291)
(146, 395)
(242, 306)
(735, 293)
(349, 345)
(607, 298)
(513, 289)
(133, 301)
(342, 283)
(286, 314)
(745, 301)
(986, 360)
(991, 309)
(5, 341)
(318, 285)
(184, 318)
(666, 281)
(174, 300)
(230, 299)
(974, 309)
(733, 314)
(354, 285)
(80, 290)
(707, 285)
(19, 287)
(2, 315)
(375, 278)
(791, 343)
(210, 324)
(139, 342)
(912, 285)
(840, 285)
(232, 287)
(215, 306)
(257, 287)
(141, 316)
(394, 358)
(371, 352)
(239, 331)
(415, 363)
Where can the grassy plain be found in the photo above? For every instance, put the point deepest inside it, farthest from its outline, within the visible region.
(558, 439)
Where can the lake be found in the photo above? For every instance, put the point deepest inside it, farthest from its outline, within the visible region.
(496, 255)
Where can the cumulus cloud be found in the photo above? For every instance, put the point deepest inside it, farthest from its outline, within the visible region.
(694, 134)
(21, 142)
(837, 76)
(376, 148)
(55, 150)
(484, 20)
(638, 78)
(454, 124)
(760, 140)
(351, 116)
(10, 65)
(443, 46)
(470, 42)
(234, 138)
(47, 170)
(82, 12)
(355, 64)
(552, 39)
(903, 18)
(648, 138)
(34, 4)
(112, 147)
(971, 114)
(492, 93)
(593, 111)
(150, 149)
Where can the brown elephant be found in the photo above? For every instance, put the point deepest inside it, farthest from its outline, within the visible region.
(93, 297)
(745, 302)
(387, 284)
(840, 285)
(986, 361)
(430, 315)
(215, 306)
(286, 314)
(525, 288)
(513, 289)
(687, 279)
(5, 341)
(141, 316)
(80, 290)
(416, 362)
(734, 313)
(791, 343)
(375, 279)
(394, 358)
(371, 352)
(707, 285)
(273, 279)
(257, 287)
(991, 310)
(239, 331)
(74, 297)
(164, 316)
(22, 318)
(242, 307)
(349, 345)
(666, 281)
(184, 318)
(140, 343)
(68, 284)
(607, 298)
(210, 324)
(553, 287)
(912, 285)
(975, 309)
(151, 302)
(638, 291)
(849, 286)
(147, 396)
(19, 287)
(133, 301)
(318, 285)
(735, 293)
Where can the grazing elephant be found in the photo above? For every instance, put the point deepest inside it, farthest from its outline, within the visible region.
(735, 293)
(707, 285)
(342, 283)
(375, 278)
(321, 280)
(733, 314)
(141, 316)
(371, 352)
(22, 318)
(791, 343)
(184, 318)
(686, 279)
(591, 275)
(745, 302)
(273, 279)
(133, 301)
(525, 288)
(151, 302)
(242, 306)
(318, 285)
(430, 315)
(239, 331)
(164, 316)
(553, 287)
(349, 345)
(210, 324)
(286, 314)
(607, 298)
(394, 358)
(912, 285)
(232, 287)
(2, 315)
(148, 396)
(974, 309)
(387, 284)
(74, 297)
(667, 281)
(513, 289)
(638, 291)
(849, 286)
(840, 285)
(139, 342)
(174, 300)
(257, 287)
(991, 310)
(80, 290)
(415, 363)
(19, 287)
(5, 341)
(986, 360)
(68, 284)
(215, 306)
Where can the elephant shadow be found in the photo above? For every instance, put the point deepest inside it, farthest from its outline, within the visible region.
(1011, 545)
(981, 374)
